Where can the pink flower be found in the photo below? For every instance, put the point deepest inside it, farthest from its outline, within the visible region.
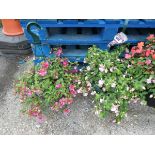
(71, 87)
(62, 102)
(37, 91)
(42, 72)
(75, 70)
(69, 101)
(59, 52)
(41, 118)
(58, 86)
(127, 56)
(45, 65)
(140, 45)
(151, 36)
(148, 52)
(29, 93)
(148, 61)
(65, 63)
(72, 90)
(66, 111)
(79, 90)
(55, 107)
(35, 111)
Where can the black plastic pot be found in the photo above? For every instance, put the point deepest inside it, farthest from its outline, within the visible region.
(150, 101)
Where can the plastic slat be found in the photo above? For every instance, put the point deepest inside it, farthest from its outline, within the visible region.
(74, 39)
(73, 21)
(75, 54)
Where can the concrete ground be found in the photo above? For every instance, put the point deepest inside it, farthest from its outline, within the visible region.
(81, 121)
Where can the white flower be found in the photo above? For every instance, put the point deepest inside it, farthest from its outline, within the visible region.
(143, 102)
(88, 83)
(97, 112)
(114, 108)
(113, 85)
(129, 66)
(127, 88)
(124, 75)
(79, 82)
(101, 100)
(149, 80)
(85, 60)
(103, 89)
(118, 122)
(111, 69)
(151, 95)
(132, 89)
(88, 68)
(125, 97)
(80, 70)
(86, 78)
(100, 83)
(118, 59)
(106, 71)
(89, 88)
(143, 88)
(93, 92)
(85, 94)
(79, 90)
(101, 68)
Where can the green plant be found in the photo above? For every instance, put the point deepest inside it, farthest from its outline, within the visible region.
(50, 85)
(106, 73)
(115, 82)
(142, 58)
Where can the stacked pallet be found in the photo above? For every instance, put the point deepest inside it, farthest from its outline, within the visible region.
(76, 36)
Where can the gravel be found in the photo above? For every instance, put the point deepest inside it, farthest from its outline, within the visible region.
(81, 121)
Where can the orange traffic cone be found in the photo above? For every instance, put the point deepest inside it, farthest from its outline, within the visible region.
(12, 27)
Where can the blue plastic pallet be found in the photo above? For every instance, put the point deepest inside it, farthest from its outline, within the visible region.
(108, 28)
(84, 33)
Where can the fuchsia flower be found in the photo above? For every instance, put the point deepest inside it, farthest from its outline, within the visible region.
(45, 65)
(42, 72)
(41, 118)
(151, 36)
(58, 86)
(75, 70)
(71, 87)
(148, 52)
(59, 52)
(72, 90)
(35, 111)
(66, 111)
(148, 62)
(37, 91)
(55, 107)
(69, 101)
(127, 56)
(62, 102)
(65, 63)
(29, 93)
(140, 45)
